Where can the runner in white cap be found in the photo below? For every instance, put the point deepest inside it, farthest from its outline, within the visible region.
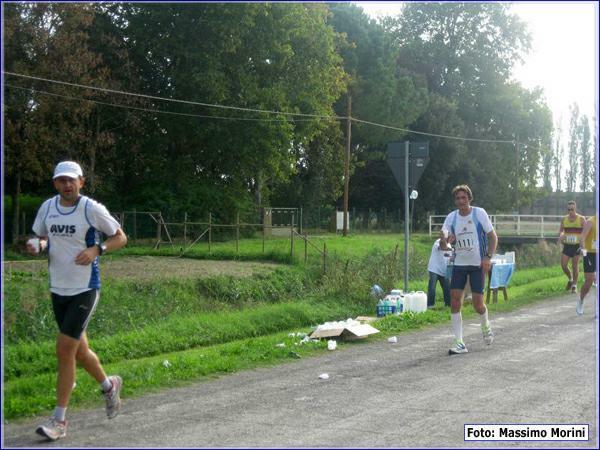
(68, 226)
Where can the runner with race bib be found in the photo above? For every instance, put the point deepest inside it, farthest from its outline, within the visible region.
(571, 227)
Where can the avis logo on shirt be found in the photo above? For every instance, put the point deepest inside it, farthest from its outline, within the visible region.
(62, 229)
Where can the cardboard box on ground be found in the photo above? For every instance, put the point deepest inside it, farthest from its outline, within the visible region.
(350, 329)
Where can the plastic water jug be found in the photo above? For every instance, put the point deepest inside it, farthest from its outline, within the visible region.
(396, 292)
(400, 304)
(408, 301)
(420, 301)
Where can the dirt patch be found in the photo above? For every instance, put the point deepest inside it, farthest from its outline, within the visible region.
(156, 267)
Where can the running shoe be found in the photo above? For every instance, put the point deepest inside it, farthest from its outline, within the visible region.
(568, 286)
(574, 289)
(52, 429)
(113, 397)
(457, 348)
(579, 307)
(488, 335)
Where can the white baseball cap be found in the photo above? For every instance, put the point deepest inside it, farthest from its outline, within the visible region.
(68, 169)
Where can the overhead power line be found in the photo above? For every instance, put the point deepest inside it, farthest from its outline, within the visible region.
(137, 108)
(432, 134)
(235, 108)
(187, 102)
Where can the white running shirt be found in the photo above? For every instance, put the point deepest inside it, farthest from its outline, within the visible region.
(71, 230)
(468, 245)
(437, 261)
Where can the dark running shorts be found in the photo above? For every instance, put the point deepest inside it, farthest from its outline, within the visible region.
(589, 263)
(459, 278)
(571, 250)
(73, 312)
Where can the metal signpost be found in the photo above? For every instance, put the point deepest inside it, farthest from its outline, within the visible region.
(415, 156)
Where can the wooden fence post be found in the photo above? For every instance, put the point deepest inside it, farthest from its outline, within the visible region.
(237, 234)
(185, 217)
(292, 238)
(134, 225)
(305, 248)
(159, 228)
(209, 232)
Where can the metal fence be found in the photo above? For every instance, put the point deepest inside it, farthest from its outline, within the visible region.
(150, 227)
(361, 220)
(513, 224)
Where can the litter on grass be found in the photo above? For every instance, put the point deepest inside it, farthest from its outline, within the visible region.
(347, 329)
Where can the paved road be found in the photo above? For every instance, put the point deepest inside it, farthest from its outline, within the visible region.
(540, 369)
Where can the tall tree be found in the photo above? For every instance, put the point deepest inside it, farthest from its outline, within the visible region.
(380, 93)
(558, 153)
(547, 168)
(277, 57)
(465, 52)
(47, 122)
(586, 157)
(594, 186)
(574, 152)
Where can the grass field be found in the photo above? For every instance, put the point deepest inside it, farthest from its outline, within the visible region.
(165, 320)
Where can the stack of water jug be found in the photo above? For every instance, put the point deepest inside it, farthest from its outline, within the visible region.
(397, 302)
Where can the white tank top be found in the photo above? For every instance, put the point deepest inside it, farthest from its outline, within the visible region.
(71, 230)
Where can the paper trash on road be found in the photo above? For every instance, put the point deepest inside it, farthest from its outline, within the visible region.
(393, 340)
(331, 345)
(347, 329)
(324, 376)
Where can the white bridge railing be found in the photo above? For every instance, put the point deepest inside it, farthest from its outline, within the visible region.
(512, 224)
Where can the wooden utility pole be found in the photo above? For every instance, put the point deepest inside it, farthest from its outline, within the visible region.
(347, 163)
(517, 154)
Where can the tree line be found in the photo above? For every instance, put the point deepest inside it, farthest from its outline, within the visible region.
(285, 72)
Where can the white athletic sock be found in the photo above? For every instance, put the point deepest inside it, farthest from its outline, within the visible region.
(60, 413)
(485, 323)
(106, 385)
(457, 325)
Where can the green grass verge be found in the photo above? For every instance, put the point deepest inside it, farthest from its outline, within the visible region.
(36, 394)
(218, 325)
(33, 393)
(176, 333)
(134, 305)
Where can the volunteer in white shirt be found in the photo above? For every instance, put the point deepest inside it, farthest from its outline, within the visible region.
(69, 226)
(438, 263)
(470, 230)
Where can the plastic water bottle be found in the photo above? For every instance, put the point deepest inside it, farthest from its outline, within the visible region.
(377, 291)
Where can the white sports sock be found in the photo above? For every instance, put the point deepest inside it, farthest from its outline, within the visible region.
(457, 325)
(106, 385)
(60, 413)
(485, 323)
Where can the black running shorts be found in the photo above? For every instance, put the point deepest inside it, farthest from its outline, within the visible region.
(589, 263)
(73, 312)
(571, 250)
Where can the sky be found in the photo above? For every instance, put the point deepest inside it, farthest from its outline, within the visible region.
(564, 55)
